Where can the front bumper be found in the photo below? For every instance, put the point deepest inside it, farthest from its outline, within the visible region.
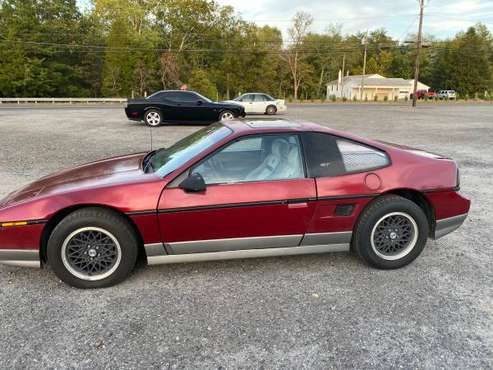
(447, 225)
(20, 257)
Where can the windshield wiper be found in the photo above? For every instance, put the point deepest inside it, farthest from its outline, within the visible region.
(147, 161)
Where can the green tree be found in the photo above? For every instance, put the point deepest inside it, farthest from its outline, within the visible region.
(200, 82)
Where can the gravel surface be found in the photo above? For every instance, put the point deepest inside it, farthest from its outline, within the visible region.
(326, 311)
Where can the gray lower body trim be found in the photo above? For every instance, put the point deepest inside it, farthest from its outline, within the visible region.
(246, 253)
(20, 257)
(155, 249)
(253, 247)
(447, 225)
(233, 244)
(327, 238)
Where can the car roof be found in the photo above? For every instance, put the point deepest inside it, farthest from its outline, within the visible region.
(242, 127)
(174, 91)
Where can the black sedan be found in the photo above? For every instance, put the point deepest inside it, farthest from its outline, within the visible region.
(176, 106)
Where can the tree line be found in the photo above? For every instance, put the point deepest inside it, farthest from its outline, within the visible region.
(120, 48)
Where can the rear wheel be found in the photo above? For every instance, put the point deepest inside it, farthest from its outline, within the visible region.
(153, 118)
(92, 248)
(226, 116)
(271, 110)
(391, 232)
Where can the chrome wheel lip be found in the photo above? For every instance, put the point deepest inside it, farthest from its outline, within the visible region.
(153, 118)
(405, 251)
(81, 275)
(227, 116)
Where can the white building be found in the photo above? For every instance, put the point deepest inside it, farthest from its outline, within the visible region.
(375, 86)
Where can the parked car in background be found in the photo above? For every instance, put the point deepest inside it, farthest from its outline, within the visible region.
(260, 103)
(447, 95)
(431, 94)
(425, 94)
(235, 189)
(177, 106)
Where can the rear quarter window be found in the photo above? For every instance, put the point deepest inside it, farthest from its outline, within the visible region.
(357, 157)
(328, 156)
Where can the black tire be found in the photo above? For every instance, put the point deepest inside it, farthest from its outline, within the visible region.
(409, 238)
(153, 118)
(271, 110)
(226, 115)
(87, 220)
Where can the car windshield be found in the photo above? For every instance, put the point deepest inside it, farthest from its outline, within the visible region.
(165, 161)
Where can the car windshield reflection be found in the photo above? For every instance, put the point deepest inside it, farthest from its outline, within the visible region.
(168, 160)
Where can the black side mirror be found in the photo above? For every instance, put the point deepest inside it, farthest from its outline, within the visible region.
(193, 184)
(199, 102)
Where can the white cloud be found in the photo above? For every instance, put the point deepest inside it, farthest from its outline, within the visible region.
(443, 18)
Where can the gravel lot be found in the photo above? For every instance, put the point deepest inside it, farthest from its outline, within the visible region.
(326, 311)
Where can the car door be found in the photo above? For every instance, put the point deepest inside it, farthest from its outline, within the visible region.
(348, 176)
(171, 105)
(193, 108)
(259, 104)
(248, 103)
(257, 196)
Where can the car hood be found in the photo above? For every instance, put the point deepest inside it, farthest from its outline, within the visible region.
(95, 174)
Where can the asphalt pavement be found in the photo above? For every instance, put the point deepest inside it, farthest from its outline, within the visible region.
(302, 312)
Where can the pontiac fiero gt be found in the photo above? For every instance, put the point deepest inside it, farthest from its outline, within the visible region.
(235, 189)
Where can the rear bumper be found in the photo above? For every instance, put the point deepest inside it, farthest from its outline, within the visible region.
(132, 115)
(20, 257)
(447, 225)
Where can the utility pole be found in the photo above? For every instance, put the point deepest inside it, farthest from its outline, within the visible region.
(418, 49)
(342, 74)
(365, 42)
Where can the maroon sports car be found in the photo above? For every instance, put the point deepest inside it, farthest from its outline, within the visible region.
(234, 189)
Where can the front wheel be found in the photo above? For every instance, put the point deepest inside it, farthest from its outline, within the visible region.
(153, 118)
(271, 110)
(391, 232)
(226, 116)
(92, 248)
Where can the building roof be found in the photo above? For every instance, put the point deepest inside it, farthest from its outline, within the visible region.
(375, 80)
(355, 77)
(389, 82)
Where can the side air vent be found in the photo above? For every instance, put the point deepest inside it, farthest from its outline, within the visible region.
(344, 209)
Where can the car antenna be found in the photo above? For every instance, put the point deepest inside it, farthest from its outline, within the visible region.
(150, 134)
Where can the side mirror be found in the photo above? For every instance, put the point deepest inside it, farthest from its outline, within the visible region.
(193, 184)
(199, 102)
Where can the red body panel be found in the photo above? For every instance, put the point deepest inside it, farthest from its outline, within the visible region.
(448, 204)
(326, 220)
(148, 227)
(120, 183)
(236, 218)
(21, 237)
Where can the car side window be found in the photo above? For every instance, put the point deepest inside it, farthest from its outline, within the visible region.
(172, 96)
(254, 158)
(260, 98)
(158, 96)
(189, 97)
(329, 156)
(248, 98)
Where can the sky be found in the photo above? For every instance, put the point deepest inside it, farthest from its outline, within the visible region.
(443, 18)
